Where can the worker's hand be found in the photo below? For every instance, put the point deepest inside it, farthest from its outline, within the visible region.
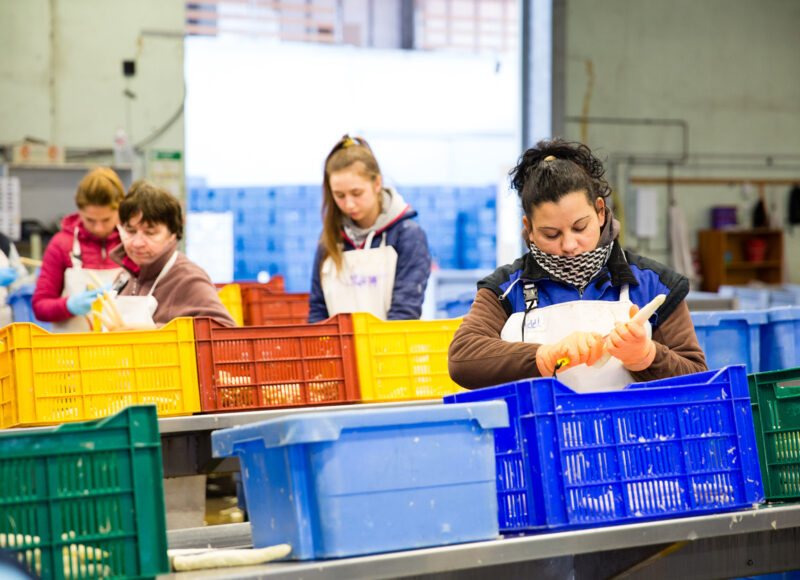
(578, 347)
(630, 344)
(81, 304)
(7, 276)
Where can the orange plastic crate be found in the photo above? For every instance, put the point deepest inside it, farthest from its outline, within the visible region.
(263, 367)
(275, 284)
(262, 307)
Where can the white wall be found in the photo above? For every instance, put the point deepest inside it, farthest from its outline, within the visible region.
(729, 68)
(263, 113)
(61, 73)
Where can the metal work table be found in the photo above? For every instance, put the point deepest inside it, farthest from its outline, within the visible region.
(726, 545)
(186, 441)
(211, 422)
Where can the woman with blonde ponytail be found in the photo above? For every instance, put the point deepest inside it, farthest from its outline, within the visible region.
(372, 257)
(79, 254)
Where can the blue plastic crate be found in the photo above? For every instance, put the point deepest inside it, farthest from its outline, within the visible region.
(793, 289)
(668, 448)
(780, 339)
(783, 298)
(343, 483)
(459, 306)
(212, 200)
(749, 298)
(297, 276)
(196, 198)
(731, 337)
(20, 302)
(241, 501)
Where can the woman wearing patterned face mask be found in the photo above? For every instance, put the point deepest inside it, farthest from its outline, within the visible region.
(569, 302)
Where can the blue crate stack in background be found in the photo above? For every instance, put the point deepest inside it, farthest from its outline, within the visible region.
(276, 228)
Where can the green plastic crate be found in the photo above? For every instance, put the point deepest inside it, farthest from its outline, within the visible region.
(86, 500)
(775, 399)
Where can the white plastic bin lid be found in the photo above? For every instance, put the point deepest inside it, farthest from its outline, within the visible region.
(328, 425)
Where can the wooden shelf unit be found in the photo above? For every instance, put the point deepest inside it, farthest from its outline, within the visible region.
(724, 257)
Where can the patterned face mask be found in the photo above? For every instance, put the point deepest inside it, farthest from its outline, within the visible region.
(576, 270)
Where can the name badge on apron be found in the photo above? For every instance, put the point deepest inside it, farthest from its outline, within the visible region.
(365, 281)
(553, 323)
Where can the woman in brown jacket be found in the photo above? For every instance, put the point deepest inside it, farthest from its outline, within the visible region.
(569, 302)
(158, 283)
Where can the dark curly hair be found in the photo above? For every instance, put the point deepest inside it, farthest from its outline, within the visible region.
(555, 168)
(157, 206)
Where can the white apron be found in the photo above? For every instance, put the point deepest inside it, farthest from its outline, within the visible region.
(139, 310)
(365, 281)
(76, 280)
(552, 323)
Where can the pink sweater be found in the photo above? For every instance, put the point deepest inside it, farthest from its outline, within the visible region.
(47, 303)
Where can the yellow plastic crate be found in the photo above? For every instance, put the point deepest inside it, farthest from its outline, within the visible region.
(56, 378)
(403, 359)
(231, 297)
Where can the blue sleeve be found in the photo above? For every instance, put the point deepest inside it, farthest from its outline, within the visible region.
(316, 300)
(413, 270)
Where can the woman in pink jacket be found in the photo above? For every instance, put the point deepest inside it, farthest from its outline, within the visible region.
(78, 255)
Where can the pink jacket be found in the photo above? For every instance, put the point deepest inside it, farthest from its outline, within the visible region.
(47, 303)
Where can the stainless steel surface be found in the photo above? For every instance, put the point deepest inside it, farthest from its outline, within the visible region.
(222, 536)
(704, 304)
(186, 441)
(720, 557)
(500, 552)
(215, 421)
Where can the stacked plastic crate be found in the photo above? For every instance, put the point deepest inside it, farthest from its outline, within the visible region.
(459, 223)
(276, 229)
(476, 234)
(296, 233)
(763, 340)
(437, 209)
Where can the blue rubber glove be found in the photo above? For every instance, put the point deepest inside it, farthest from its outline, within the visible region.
(81, 304)
(7, 276)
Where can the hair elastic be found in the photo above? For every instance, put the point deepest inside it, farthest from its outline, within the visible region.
(549, 158)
